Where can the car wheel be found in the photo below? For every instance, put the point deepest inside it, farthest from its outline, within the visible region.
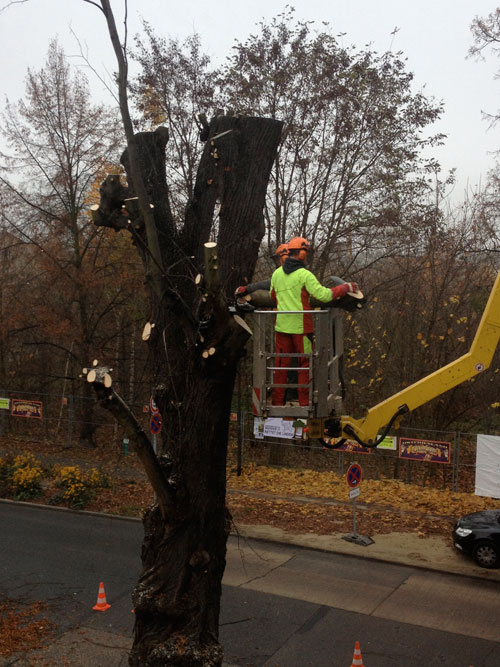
(486, 554)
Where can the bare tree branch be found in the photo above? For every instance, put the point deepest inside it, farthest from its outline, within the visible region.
(13, 2)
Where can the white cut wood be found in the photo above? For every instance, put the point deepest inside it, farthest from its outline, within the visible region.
(146, 332)
(239, 320)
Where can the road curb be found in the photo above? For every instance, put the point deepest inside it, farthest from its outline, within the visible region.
(324, 543)
(54, 508)
(453, 563)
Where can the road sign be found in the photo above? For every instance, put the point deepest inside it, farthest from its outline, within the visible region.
(155, 424)
(354, 475)
(153, 407)
(354, 493)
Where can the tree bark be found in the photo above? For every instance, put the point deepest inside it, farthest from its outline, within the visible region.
(177, 598)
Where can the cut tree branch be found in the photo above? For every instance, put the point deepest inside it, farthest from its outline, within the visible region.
(100, 378)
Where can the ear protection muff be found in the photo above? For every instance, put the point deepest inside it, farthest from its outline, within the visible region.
(302, 254)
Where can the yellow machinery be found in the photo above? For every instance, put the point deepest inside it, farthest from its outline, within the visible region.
(325, 391)
(477, 360)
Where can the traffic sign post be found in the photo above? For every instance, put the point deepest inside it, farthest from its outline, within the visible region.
(354, 493)
(354, 477)
(155, 424)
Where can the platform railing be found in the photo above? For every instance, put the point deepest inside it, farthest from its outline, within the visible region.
(324, 366)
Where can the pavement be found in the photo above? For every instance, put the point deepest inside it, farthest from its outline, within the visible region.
(431, 553)
(269, 610)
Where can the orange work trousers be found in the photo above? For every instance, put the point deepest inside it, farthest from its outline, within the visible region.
(291, 344)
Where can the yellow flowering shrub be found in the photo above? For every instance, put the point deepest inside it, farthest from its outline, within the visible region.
(21, 478)
(25, 461)
(25, 477)
(77, 487)
(99, 479)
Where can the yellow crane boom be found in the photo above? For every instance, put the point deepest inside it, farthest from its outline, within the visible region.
(478, 359)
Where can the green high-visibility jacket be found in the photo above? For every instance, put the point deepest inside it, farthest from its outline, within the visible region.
(290, 290)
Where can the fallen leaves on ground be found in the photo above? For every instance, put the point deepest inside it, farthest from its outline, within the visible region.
(22, 626)
(293, 499)
(307, 501)
(382, 492)
(326, 520)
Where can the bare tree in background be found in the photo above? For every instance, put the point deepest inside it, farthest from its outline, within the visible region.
(58, 144)
(350, 172)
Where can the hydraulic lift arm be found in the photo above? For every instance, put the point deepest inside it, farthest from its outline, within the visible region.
(371, 429)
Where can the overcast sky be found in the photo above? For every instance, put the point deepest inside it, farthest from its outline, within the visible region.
(434, 35)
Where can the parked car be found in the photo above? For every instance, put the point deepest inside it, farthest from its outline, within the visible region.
(478, 535)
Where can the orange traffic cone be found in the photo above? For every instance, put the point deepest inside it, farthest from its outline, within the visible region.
(357, 658)
(101, 605)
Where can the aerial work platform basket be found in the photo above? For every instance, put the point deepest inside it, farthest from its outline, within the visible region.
(325, 385)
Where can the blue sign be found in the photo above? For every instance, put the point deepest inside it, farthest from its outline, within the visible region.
(155, 424)
(354, 475)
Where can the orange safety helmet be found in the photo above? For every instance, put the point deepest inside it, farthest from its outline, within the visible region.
(281, 252)
(301, 244)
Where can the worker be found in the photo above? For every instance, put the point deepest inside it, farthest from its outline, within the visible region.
(279, 256)
(291, 286)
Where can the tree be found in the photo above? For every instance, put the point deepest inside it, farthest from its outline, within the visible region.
(195, 345)
(349, 173)
(438, 288)
(174, 86)
(486, 34)
(59, 144)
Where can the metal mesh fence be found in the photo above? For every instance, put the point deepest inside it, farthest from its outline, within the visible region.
(60, 419)
(457, 474)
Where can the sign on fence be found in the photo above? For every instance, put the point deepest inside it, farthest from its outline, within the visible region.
(4, 403)
(275, 427)
(389, 442)
(488, 466)
(23, 408)
(424, 450)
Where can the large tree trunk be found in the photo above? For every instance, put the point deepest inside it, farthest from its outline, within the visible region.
(195, 346)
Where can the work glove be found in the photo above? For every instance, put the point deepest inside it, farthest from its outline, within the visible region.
(341, 290)
(240, 292)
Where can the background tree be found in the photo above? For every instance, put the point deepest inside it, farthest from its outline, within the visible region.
(58, 145)
(439, 291)
(486, 35)
(174, 86)
(349, 174)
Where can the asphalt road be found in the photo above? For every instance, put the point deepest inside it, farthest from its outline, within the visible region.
(282, 605)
